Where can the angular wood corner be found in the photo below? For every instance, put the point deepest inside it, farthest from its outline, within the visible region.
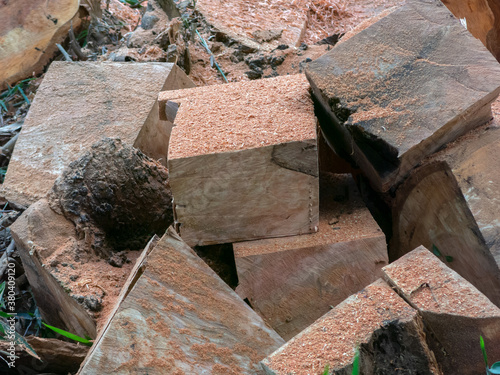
(474, 161)
(415, 81)
(455, 313)
(181, 317)
(80, 103)
(243, 160)
(435, 206)
(365, 321)
(56, 306)
(482, 18)
(292, 281)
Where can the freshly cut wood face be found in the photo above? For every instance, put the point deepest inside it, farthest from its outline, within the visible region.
(474, 160)
(453, 309)
(180, 317)
(240, 116)
(243, 160)
(430, 210)
(400, 89)
(292, 281)
(365, 321)
(80, 103)
(452, 201)
(482, 18)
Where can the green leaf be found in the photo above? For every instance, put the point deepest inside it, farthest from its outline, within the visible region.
(4, 315)
(355, 363)
(436, 251)
(326, 370)
(2, 103)
(23, 95)
(449, 258)
(483, 349)
(69, 335)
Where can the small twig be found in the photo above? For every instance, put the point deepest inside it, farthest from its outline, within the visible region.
(25, 332)
(7, 354)
(4, 261)
(6, 149)
(11, 247)
(67, 57)
(23, 94)
(74, 44)
(204, 44)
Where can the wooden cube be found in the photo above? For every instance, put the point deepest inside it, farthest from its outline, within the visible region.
(292, 281)
(176, 316)
(243, 160)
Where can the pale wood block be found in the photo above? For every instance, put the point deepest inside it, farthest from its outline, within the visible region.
(180, 317)
(455, 313)
(36, 244)
(292, 281)
(77, 105)
(243, 160)
(387, 331)
(402, 88)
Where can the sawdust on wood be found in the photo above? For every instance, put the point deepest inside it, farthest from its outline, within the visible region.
(431, 286)
(92, 277)
(240, 116)
(333, 338)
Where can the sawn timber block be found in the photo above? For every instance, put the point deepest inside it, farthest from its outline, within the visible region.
(474, 160)
(179, 317)
(292, 281)
(78, 104)
(386, 330)
(243, 161)
(402, 88)
(452, 202)
(455, 313)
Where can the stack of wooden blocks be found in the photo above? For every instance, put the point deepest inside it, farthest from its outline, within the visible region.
(243, 167)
